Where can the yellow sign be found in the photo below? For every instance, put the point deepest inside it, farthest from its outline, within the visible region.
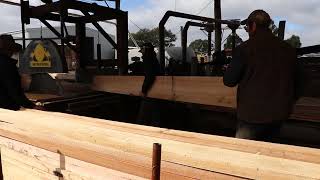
(40, 57)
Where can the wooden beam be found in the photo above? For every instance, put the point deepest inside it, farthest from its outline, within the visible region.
(130, 152)
(30, 162)
(197, 90)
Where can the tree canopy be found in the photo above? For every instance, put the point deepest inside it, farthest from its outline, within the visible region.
(199, 45)
(152, 35)
(228, 44)
(294, 41)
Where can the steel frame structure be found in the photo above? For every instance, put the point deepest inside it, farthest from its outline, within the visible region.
(169, 14)
(92, 13)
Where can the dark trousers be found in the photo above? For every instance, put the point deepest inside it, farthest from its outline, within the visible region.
(258, 132)
(149, 112)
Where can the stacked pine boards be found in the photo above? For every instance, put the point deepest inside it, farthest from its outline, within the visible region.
(198, 90)
(47, 145)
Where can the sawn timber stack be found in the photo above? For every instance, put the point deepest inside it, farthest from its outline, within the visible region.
(51, 145)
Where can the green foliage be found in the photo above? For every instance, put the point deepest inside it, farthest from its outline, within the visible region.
(228, 44)
(199, 45)
(294, 41)
(147, 35)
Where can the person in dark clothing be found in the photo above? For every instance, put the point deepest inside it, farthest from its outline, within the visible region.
(151, 67)
(264, 68)
(11, 93)
(149, 109)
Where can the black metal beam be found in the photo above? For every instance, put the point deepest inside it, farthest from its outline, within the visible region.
(118, 4)
(165, 18)
(104, 12)
(54, 31)
(308, 50)
(96, 18)
(209, 44)
(9, 3)
(282, 28)
(81, 45)
(122, 42)
(94, 8)
(218, 31)
(102, 31)
(184, 39)
(43, 10)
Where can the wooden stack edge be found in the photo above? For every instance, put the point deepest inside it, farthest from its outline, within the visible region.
(128, 152)
(23, 161)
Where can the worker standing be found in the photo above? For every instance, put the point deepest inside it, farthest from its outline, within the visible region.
(149, 113)
(264, 68)
(11, 93)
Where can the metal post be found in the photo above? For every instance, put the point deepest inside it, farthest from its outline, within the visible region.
(122, 44)
(99, 62)
(218, 31)
(184, 42)
(62, 18)
(162, 47)
(282, 27)
(209, 43)
(234, 34)
(22, 6)
(80, 44)
(118, 4)
(181, 33)
(156, 161)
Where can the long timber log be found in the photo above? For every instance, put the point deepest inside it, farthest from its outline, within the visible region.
(127, 149)
(199, 90)
(208, 91)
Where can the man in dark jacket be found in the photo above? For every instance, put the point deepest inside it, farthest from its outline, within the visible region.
(264, 69)
(11, 94)
(150, 108)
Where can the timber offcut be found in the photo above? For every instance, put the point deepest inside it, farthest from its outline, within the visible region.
(42, 145)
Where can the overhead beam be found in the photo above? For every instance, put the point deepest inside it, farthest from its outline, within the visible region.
(54, 31)
(102, 31)
(308, 50)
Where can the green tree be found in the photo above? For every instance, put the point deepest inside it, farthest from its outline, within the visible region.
(228, 44)
(152, 35)
(294, 41)
(199, 45)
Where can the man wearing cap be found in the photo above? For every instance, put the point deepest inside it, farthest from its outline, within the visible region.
(149, 109)
(264, 69)
(11, 94)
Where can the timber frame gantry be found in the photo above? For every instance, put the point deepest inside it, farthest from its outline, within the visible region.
(91, 13)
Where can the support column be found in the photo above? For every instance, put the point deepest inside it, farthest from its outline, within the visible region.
(218, 31)
(81, 44)
(122, 44)
(282, 27)
(118, 4)
(209, 43)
